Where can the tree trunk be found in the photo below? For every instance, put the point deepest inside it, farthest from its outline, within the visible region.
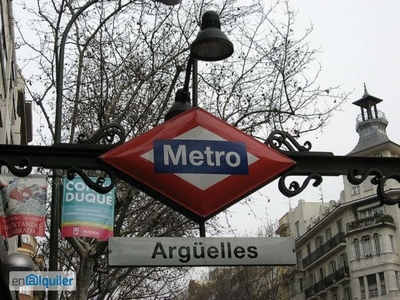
(84, 277)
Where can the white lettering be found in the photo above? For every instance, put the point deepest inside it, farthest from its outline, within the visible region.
(218, 156)
(89, 197)
(198, 158)
(229, 159)
(209, 154)
(80, 186)
(168, 153)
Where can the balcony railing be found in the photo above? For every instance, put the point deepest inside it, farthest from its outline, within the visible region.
(328, 281)
(377, 220)
(309, 292)
(380, 115)
(324, 249)
(342, 273)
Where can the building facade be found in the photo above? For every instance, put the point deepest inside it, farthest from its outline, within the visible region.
(15, 119)
(348, 249)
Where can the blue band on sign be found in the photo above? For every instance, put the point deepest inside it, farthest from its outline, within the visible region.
(200, 157)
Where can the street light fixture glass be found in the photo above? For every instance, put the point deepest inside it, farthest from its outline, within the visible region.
(211, 44)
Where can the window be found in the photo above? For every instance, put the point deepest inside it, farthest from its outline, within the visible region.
(383, 284)
(321, 273)
(367, 246)
(328, 234)
(370, 212)
(347, 294)
(362, 287)
(319, 240)
(343, 260)
(311, 280)
(299, 258)
(308, 249)
(339, 224)
(297, 228)
(391, 237)
(332, 267)
(377, 244)
(396, 274)
(355, 190)
(357, 253)
(372, 287)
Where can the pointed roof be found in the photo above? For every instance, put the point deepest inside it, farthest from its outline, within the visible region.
(367, 100)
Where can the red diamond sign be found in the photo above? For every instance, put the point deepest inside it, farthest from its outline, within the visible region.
(197, 164)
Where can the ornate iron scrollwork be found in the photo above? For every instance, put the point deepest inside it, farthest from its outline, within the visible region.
(278, 139)
(294, 187)
(315, 165)
(24, 166)
(98, 185)
(383, 195)
(106, 135)
(355, 177)
(379, 179)
(286, 143)
(75, 158)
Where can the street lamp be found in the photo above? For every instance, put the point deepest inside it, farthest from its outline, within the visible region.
(211, 44)
(14, 262)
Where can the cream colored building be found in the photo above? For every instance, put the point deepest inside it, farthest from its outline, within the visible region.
(349, 249)
(15, 117)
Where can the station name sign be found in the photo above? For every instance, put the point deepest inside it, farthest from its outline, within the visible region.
(142, 252)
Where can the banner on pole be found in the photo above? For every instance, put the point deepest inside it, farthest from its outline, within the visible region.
(86, 212)
(22, 205)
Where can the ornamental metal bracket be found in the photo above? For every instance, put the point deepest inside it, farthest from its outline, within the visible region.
(75, 158)
(315, 165)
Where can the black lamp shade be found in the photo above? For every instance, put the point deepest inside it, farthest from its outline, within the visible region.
(15, 262)
(176, 109)
(211, 44)
(182, 104)
(169, 2)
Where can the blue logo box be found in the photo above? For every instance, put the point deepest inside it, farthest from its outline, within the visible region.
(200, 157)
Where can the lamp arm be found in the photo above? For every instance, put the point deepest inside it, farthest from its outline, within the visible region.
(192, 62)
(60, 70)
(187, 77)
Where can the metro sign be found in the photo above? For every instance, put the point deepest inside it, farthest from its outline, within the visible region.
(197, 164)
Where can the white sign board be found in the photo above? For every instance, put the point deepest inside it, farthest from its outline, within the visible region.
(140, 252)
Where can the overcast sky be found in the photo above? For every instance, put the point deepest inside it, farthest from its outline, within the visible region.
(360, 42)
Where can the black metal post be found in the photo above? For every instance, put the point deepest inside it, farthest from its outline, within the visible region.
(202, 227)
(195, 83)
(56, 184)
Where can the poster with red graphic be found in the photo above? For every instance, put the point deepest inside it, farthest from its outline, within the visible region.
(22, 205)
